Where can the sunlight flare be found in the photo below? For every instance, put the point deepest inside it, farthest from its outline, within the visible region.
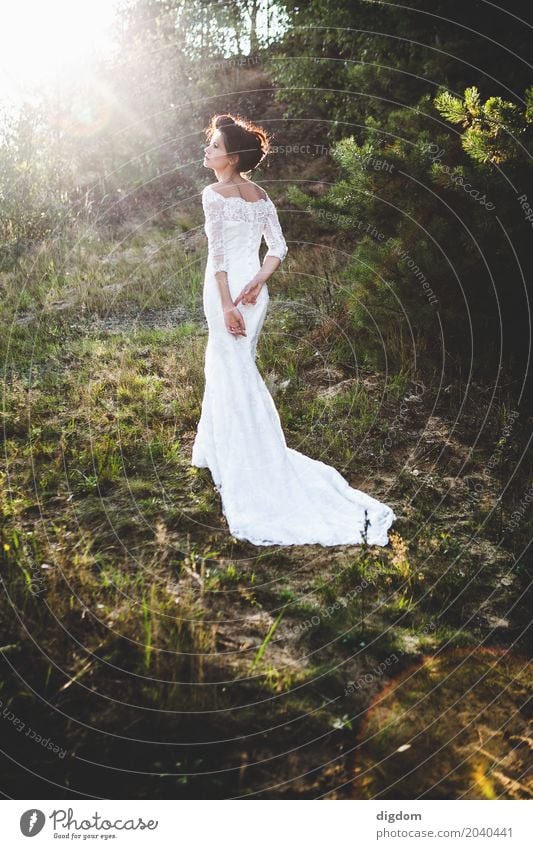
(40, 42)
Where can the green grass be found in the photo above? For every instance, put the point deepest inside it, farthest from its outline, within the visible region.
(102, 510)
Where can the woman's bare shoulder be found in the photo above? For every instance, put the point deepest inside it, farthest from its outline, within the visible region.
(234, 190)
(259, 189)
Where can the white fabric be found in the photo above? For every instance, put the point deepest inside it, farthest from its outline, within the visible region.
(271, 494)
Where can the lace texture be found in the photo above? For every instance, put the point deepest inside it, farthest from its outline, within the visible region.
(271, 494)
(261, 213)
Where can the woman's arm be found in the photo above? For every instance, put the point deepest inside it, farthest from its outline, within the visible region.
(212, 203)
(277, 246)
(222, 282)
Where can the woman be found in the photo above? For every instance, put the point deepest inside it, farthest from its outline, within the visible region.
(271, 494)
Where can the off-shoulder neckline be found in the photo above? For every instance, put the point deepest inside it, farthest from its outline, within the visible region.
(235, 197)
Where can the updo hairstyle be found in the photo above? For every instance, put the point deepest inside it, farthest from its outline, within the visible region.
(242, 137)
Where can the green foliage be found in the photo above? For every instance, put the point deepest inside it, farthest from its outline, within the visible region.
(31, 202)
(423, 195)
(127, 143)
(491, 129)
(421, 214)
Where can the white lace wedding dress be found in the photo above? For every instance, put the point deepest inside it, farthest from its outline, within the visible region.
(271, 494)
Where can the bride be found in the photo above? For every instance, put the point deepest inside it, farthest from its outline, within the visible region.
(271, 494)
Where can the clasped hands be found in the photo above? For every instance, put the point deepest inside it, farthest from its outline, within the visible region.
(232, 316)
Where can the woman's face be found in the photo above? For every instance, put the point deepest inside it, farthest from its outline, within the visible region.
(215, 155)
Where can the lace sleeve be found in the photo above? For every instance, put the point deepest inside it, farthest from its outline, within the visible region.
(213, 204)
(277, 246)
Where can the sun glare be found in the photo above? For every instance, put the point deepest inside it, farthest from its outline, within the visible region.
(41, 39)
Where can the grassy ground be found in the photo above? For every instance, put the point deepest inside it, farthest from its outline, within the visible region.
(165, 659)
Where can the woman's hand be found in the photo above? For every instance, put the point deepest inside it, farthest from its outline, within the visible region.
(250, 292)
(234, 321)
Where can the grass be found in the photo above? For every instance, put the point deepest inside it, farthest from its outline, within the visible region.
(127, 605)
(436, 733)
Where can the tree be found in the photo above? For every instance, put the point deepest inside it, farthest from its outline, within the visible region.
(427, 207)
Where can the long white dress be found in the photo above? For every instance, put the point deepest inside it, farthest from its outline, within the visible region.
(271, 494)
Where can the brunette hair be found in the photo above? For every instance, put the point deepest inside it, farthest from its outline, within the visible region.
(250, 142)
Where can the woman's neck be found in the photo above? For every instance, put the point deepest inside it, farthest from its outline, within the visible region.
(233, 179)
